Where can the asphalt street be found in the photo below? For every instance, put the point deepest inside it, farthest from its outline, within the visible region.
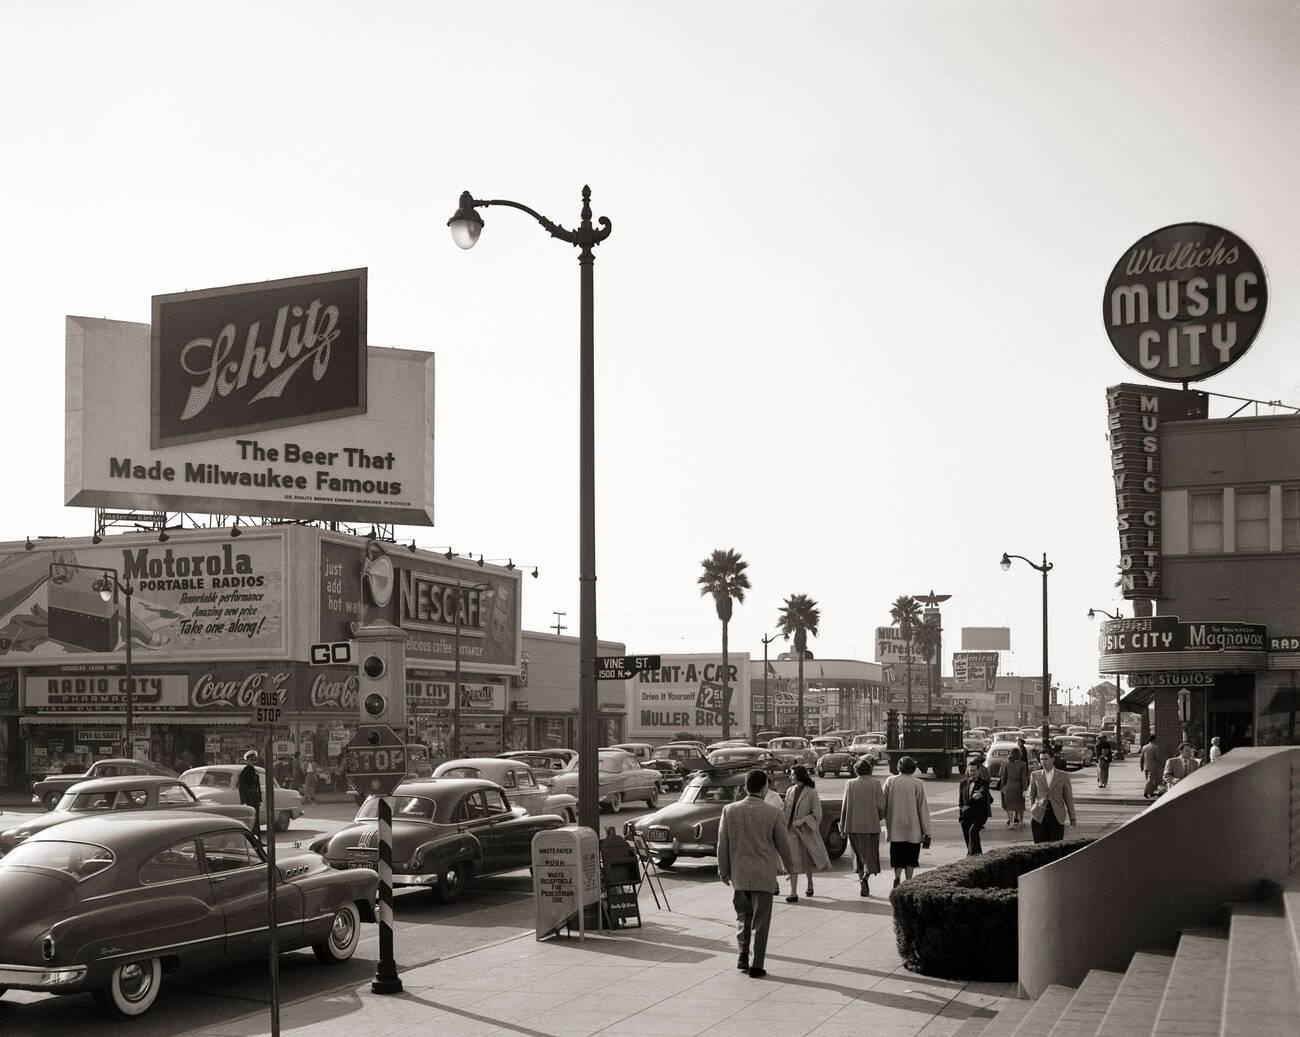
(492, 910)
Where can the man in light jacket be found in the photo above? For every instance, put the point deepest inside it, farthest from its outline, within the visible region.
(1051, 799)
(1178, 767)
(860, 816)
(752, 851)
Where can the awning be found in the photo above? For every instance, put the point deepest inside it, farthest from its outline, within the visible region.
(1137, 700)
(47, 719)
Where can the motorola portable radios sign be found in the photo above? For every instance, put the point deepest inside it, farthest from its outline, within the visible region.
(381, 662)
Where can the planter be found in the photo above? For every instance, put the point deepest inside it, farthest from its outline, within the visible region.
(959, 920)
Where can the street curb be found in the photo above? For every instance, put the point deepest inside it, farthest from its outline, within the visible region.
(1119, 801)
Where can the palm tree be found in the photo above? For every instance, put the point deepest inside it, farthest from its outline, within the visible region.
(724, 578)
(926, 636)
(906, 614)
(799, 617)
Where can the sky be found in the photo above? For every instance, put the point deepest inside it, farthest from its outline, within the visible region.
(847, 321)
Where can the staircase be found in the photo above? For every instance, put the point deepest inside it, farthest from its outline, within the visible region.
(1241, 980)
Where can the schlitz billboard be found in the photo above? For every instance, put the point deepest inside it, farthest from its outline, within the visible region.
(257, 400)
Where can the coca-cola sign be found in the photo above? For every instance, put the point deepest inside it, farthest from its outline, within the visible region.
(1185, 302)
(331, 692)
(256, 356)
(219, 691)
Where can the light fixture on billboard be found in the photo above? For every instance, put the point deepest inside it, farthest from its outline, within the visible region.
(29, 545)
(96, 539)
(411, 547)
(235, 530)
(480, 561)
(448, 554)
(162, 536)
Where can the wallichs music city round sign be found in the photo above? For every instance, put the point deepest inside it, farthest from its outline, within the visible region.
(1185, 302)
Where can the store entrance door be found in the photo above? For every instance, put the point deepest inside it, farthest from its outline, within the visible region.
(1230, 711)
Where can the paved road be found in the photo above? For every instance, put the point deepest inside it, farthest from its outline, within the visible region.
(491, 910)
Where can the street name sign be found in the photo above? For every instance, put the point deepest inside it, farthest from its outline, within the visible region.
(621, 667)
(330, 653)
(375, 760)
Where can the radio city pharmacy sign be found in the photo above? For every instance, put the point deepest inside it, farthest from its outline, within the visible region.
(1166, 643)
(257, 399)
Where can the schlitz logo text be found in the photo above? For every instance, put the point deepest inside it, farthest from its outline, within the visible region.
(236, 359)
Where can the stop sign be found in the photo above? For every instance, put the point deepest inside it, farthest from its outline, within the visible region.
(375, 760)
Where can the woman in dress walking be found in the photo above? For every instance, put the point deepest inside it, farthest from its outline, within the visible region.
(1015, 779)
(907, 816)
(860, 817)
(803, 822)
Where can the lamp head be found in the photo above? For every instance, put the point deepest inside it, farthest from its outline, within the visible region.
(466, 225)
(162, 536)
(534, 572)
(1006, 562)
(235, 530)
(105, 587)
(1092, 613)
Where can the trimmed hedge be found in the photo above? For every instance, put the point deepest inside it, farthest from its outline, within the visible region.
(959, 920)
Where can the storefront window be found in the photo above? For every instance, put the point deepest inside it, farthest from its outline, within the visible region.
(1279, 715)
(480, 736)
(1205, 511)
(1291, 519)
(552, 733)
(1252, 520)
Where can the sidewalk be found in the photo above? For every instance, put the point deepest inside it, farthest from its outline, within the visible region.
(1123, 789)
(833, 971)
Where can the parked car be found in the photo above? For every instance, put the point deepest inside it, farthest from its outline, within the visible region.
(516, 777)
(823, 744)
(974, 741)
(763, 737)
(1073, 752)
(672, 773)
(219, 783)
(793, 750)
(728, 743)
(996, 758)
(546, 763)
(620, 777)
(842, 760)
(445, 831)
(874, 744)
(747, 754)
(689, 827)
(108, 905)
(50, 789)
(640, 750)
(103, 795)
(690, 756)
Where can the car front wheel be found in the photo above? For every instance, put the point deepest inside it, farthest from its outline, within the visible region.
(132, 988)
(615, 802)
(450, 884)
(652, 800)
(50, 800)
(344, 935)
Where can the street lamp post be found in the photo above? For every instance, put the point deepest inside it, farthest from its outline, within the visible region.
(767, 702)
(462, 603)
(108, 586)
(1045, 568)
(1119, 694)
(466, 225)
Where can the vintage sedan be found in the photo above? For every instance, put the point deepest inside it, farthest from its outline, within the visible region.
(445, 831)
(219, 783)
(778, 774)
(1073, 752)
(690, 755)
(689, 827)
(105, 795)
(50, 789)
(517, 778)
(621, 778)
(838, 761)
(824, 744)
(110, 905)
(873, 744)
(793, 750)
(641, 750)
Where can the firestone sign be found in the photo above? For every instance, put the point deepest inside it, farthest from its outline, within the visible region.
(1185, 302)
(255, 356)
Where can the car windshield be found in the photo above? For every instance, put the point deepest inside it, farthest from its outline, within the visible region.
(78, 860)
(460, 772)
(609, 764)
(106, 799)
(786, 743)
(728, 755)
(703, 793)
(410, 808)
(675, 752)
(221, 779)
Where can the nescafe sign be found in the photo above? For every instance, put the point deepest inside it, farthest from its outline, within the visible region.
(1185, 302)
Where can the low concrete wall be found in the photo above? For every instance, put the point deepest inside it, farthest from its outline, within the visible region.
(1211, 839)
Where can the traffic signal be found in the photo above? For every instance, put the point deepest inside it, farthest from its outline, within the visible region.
(381, 666)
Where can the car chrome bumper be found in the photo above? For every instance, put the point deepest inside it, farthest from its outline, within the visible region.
(677, 848)
(415, 880)
(42, 977)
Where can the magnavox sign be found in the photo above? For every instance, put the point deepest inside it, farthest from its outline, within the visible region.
(1169, 634)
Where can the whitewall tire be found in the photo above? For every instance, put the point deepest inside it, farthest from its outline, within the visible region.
(344, 935)
(132, 988)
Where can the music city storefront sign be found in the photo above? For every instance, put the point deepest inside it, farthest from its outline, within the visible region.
(1167, 643)
(254, 400)
(1185, 302)
(1134, 415)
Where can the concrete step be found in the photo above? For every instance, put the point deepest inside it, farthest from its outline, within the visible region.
(1286, 895)
(1083, 1015)
(1262, 988)
(1133, 1010)
(1005, 1022)
(1192, 1005)
(1040, 1019)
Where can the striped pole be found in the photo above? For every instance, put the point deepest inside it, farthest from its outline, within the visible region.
(386, 980)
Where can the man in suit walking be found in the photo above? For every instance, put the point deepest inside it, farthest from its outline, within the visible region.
(1150, 760)
(1178, 767)
(752, 851)
(1051, 799)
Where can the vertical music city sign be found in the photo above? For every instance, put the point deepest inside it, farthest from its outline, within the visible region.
(1134, 414)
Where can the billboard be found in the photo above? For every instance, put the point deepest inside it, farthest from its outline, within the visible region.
(975, 667)
(685, 694)
(890, 646)
(986, 639)
(245, 358)
(362, 582)
(126, 445)
(193, 597)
